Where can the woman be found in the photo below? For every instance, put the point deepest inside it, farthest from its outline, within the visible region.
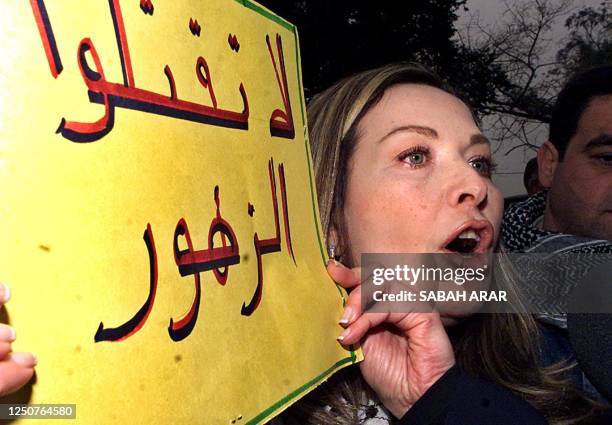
(402, 167)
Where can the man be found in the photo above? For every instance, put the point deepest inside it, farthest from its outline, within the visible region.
(575, 165)
(574, 215)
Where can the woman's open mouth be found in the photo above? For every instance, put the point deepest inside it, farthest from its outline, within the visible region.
(472, 237)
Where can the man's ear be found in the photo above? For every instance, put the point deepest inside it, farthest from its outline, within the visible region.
(548, 158)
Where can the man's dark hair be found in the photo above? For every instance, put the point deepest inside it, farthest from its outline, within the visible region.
(573, 100)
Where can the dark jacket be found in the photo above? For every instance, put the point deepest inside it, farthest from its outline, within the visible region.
(460, 399)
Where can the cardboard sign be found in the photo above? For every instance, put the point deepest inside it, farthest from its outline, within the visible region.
(159, 227)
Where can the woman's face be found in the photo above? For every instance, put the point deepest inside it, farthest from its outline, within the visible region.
(419, 177)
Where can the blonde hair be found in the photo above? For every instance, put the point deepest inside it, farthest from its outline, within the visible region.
(502, 348)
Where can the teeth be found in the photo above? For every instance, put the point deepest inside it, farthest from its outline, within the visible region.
(469, 234)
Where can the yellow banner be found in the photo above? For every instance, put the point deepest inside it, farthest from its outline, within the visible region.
(159, 227)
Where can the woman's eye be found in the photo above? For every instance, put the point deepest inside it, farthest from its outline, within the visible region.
(415, 157)
(483, 166)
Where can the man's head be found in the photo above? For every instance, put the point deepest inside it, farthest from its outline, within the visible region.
(576, 162)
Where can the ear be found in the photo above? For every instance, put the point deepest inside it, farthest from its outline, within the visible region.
(548, 158)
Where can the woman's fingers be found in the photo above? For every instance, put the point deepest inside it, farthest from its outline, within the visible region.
(352, 307)
(7, 336)
(7, 333)
(27, 360)
(347, 278)
(5, 349)
(420, 327)
(425, 330)
(356, 330)
(343, 276)
(5, 294)
(15, 371)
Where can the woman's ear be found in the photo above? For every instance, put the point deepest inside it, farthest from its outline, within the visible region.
(548, 158)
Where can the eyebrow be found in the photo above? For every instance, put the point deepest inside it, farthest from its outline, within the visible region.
(479, 139)
(603, 140)
(428, 132)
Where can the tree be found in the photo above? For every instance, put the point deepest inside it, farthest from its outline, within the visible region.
(518, 45)
(341, 37)
(507, 71)
(590, 40)
(521, 45)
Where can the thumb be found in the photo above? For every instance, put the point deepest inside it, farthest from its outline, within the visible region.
(342, 275)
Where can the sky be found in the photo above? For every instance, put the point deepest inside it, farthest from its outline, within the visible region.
(509, 172)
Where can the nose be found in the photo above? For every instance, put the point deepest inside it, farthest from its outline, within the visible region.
(468, 188)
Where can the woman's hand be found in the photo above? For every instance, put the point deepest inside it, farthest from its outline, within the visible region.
(16, 369)
(405, 353)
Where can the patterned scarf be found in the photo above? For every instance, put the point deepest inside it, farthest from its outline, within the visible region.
(520, 233)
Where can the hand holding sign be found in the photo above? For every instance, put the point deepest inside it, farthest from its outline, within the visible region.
(16, 369)
(401, 361)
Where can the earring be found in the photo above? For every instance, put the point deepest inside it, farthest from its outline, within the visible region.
(332, 251)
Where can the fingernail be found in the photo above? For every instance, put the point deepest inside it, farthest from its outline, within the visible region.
(332, 261)
(5, 293)
(347, 316)
(343, 335)
(7, 333)
(24, 359)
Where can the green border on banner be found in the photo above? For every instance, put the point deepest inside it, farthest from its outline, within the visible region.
(280, 403)
(352, 358)
(267, 14)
